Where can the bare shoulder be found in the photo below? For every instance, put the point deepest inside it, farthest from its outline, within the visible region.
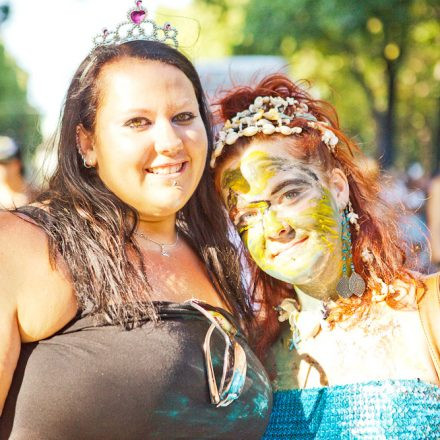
(43, 295)
(21, 243)
(15, 230)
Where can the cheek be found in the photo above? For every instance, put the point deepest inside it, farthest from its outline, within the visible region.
(115, 149)
(196, 139)
(323, 219)
(196, 145)
(254, 240)
(272, 223)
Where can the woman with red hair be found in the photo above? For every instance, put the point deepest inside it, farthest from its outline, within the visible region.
(350, 334)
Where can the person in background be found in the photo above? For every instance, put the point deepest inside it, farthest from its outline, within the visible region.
(352, 333)
(122, 310)
(14, 190)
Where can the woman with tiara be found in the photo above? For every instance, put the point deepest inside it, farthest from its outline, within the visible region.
(122, 310)
(351, 334)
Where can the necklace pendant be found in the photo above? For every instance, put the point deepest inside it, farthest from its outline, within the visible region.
(164, 252)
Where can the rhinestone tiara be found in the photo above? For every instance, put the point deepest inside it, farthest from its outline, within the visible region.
(138, 27)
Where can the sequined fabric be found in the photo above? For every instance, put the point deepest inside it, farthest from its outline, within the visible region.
(392, 409)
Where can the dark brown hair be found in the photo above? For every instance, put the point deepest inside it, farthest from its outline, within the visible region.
(92, 228)
(378, 222)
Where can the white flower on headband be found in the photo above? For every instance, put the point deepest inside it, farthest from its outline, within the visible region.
(330, 139)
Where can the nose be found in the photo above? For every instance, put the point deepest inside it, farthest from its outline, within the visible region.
(277, 230)
(283, 234)
(167, 141)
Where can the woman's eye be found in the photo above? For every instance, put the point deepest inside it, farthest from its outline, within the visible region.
(289, 196)
(184, 117)
(138, 122)
(248, 216)
(243, 221)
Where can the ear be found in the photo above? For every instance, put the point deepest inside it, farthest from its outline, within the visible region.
(339, 188)
(85, 145)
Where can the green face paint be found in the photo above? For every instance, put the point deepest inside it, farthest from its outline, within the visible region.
(287, 219)
(234, 180)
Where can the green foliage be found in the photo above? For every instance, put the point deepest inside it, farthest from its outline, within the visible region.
(375, 60)
(4, 12)
(18, 119)
(204, 28)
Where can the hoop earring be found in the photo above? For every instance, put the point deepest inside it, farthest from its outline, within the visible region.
(78, 147)
(86, 165)
(353, 284)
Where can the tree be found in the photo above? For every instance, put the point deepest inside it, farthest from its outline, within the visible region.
(18, 119)
(373, 42)
(4, 12)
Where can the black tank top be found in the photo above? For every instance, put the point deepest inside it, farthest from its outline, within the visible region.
(94, 382)
(90, 383)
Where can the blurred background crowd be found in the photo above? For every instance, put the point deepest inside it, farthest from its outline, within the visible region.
(377, 61)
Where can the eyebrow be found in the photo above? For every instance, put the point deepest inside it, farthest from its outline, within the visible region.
(255, 204)
(309, 172)
(295, 182)
(279, 164)
(175, 107)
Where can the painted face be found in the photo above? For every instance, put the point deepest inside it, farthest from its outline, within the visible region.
(284, 212)
(149, 143)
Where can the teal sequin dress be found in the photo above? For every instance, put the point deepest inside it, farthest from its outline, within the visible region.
(391, 409)
(373, 410)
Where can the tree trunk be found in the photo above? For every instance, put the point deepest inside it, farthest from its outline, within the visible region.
(436, 143)
(386, 120)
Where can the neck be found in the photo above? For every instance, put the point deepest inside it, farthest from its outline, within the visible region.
(162, 230)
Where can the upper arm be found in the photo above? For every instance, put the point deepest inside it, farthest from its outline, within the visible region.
(9, 333)
(9, 347)
(44, 295)
(36, 300)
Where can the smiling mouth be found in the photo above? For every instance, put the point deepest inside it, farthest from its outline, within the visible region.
(166, 170)
(290, 246)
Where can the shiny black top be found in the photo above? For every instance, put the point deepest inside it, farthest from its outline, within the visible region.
(89, 382)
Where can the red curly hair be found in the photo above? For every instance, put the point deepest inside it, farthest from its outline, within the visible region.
(378, 222)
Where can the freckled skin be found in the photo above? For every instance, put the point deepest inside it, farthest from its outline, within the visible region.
(267, 191)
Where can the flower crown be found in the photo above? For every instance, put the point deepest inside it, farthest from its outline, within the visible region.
(267, 115)
(138, 27)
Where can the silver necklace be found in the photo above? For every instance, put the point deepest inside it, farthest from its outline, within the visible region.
(162, 245)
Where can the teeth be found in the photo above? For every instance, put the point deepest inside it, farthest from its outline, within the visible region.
(166, 169)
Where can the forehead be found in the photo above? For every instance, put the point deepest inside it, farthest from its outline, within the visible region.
(130, 81)
(263, 165)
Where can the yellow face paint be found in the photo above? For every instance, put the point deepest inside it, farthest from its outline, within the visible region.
(291, 232)
(234, 180)
(259, 169)
(234, 183)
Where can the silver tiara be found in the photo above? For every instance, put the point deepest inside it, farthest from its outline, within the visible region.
(138, 27)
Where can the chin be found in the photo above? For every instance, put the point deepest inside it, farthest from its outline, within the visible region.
(156, 211)
(302, 272)
(166, 202)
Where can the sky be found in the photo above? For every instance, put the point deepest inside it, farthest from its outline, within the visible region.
(49, 41)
